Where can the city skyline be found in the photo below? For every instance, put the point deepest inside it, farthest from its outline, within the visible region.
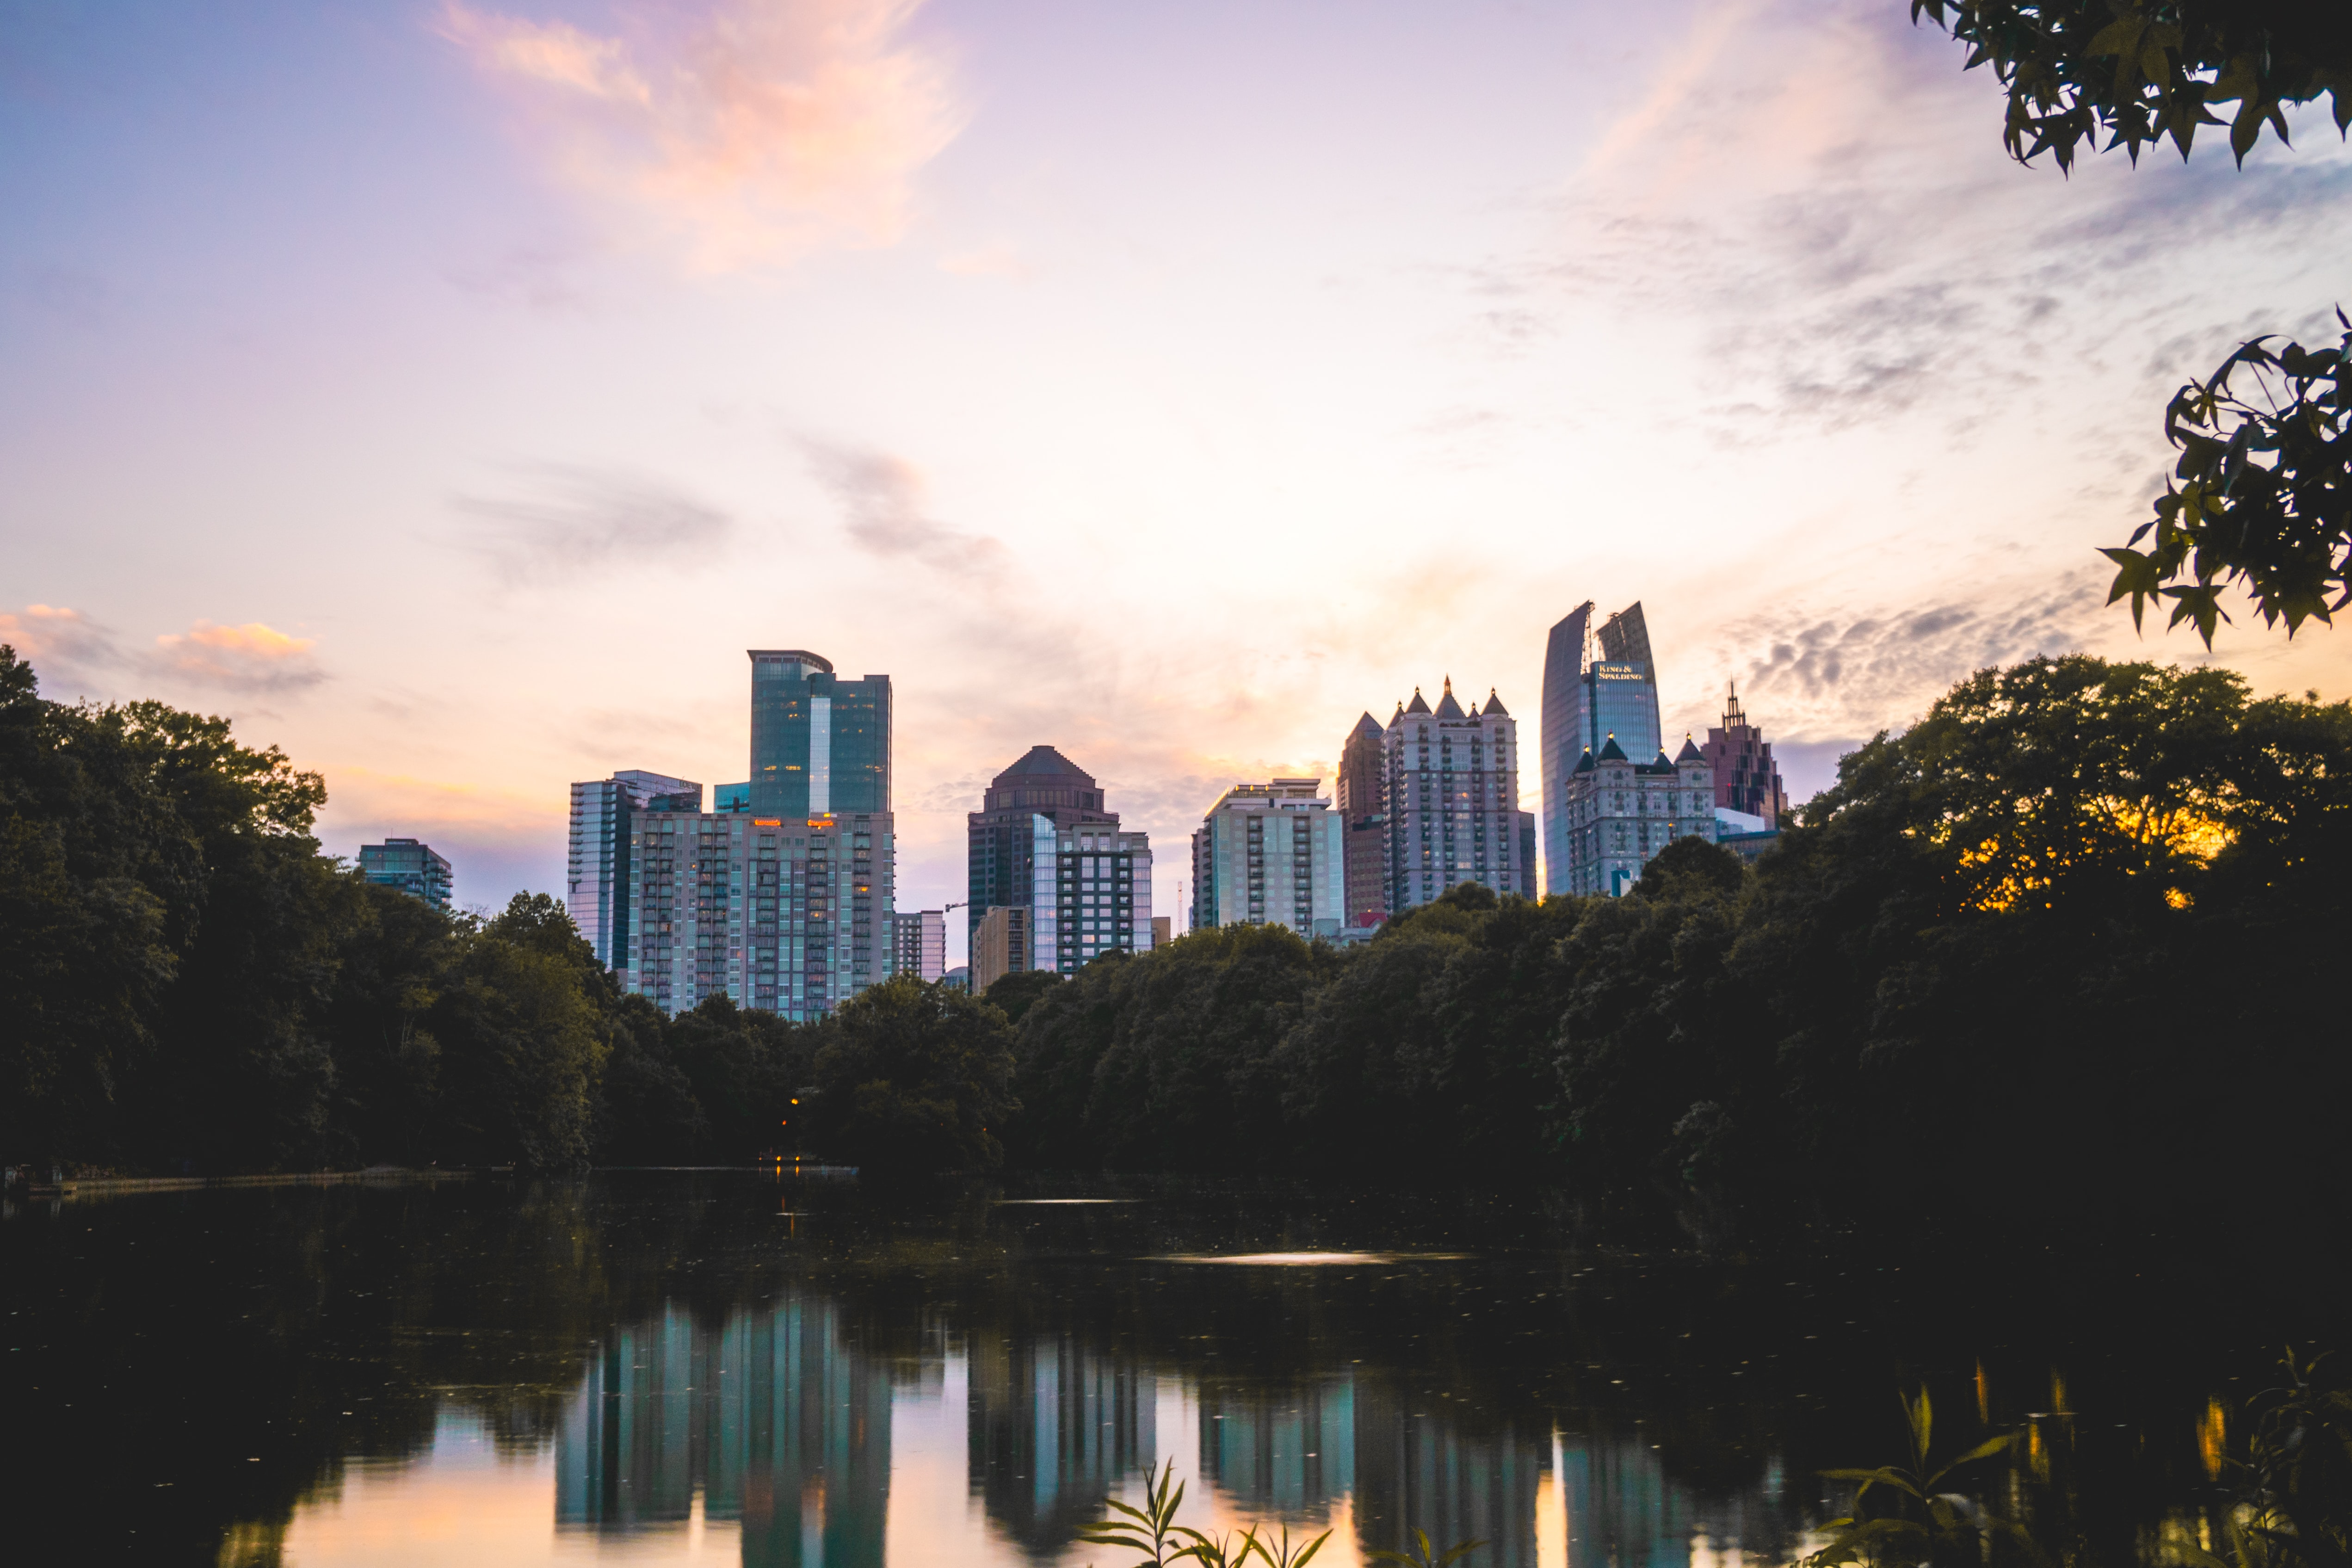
(430, 389)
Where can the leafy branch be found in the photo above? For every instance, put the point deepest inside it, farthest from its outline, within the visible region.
(2261, 496)
(2145, 70)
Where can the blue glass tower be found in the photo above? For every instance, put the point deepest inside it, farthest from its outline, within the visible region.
(820, 744)
(1585, 702)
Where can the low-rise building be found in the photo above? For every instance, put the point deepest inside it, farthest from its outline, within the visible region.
(410, 865)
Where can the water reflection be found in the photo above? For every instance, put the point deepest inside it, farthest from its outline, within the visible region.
(1054, 1427)
(652, 1369)
(772, 1419)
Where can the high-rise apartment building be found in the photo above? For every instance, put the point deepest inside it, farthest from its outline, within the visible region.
(1042, 842)
(1746, 777)
(1363, 813)
(1622, 812)
(1453, 799)
(1271, 853)
(820, 744)
(596, 871)
(920, 937)
(409, 866)
(787, 911)
(1590, 694)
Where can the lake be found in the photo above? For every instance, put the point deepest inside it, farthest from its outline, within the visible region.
(776, 1368)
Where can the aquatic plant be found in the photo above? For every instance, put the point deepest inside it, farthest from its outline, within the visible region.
(1902, 1519)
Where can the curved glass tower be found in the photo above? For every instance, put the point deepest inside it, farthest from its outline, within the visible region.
(1585, 699)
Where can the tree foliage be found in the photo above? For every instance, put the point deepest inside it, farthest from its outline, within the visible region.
(2141, 70)
(914, 1077)
(2261, 496)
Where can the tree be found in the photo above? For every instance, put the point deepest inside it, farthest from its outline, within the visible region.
(523, 1038)
(914, 1079)
(2261, 498)
(2145, 70)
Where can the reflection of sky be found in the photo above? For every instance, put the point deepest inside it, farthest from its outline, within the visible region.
(770, 1440)
(451, 390)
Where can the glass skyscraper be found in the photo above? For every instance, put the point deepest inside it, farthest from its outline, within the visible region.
(410, 865)
(1588, 696)
(820, 744)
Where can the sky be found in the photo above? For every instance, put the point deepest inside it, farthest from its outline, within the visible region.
(451, 393)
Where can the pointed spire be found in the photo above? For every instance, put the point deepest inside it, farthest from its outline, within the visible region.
(1690, 751)
(1494, 705)
(1369, 727)
(1418, 705)
(1613, 752)
(1446, 706)
(1585, 765)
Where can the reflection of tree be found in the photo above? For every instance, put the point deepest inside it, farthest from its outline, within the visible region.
(1054, 1427)
(776, 1420)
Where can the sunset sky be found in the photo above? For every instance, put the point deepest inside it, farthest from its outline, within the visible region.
(453, 392)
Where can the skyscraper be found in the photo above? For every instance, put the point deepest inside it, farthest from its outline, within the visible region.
(1042, 842)
(409, 866)
(786, 907)
(819, 744)
(1585, 699)
(596, 874)
(1746, 777)
(1363, 812)
(1271, 853)
(1452, 797)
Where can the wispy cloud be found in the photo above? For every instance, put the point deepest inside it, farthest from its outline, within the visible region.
(882, 498)
(253, 658)
(752, 132)
(585, 521)
(64, 647)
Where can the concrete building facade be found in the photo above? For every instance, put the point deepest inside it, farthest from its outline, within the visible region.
(1622, 812)
(1452, 797)
(1271, 853)
(1362, 796)
(596, 869)
(921, 940)
(1000, 945)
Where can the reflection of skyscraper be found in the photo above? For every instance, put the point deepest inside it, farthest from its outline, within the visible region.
(1054, 1429)
(1585, 702)
(773, 1416)
(1622, 1508)
(1415, 1472)
(1280, 1453)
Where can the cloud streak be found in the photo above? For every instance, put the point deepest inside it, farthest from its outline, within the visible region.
(753, 133)
(253, 658)
(882, 498)
(587, 522)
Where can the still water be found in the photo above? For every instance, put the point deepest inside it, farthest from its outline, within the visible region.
(770, 1369)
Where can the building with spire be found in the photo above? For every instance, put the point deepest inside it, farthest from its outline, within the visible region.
(1598, 683)
(1620, 813)
(1363, 816)
(1043, 842)
(1453, 797)
(1746, 779)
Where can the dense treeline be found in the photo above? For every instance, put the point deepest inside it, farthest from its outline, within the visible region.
(190, 985)
(2077, 931)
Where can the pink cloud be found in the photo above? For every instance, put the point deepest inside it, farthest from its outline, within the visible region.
(758, 134)
(250, 658)
(57, 641)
